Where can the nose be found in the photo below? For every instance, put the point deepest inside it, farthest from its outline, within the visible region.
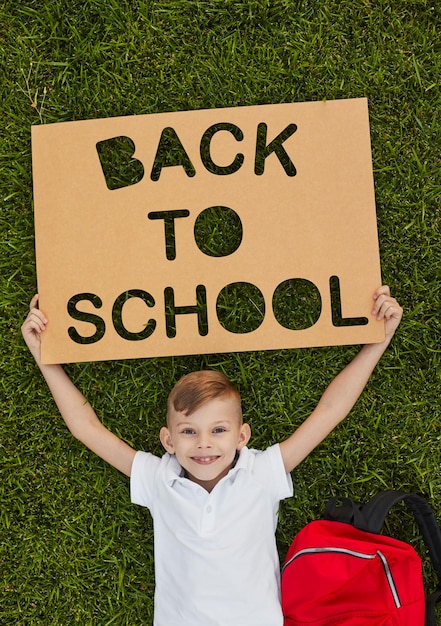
(204, 441)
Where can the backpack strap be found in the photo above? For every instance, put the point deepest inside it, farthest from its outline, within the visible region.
(341, 509)
(431, 603)
(375, 512)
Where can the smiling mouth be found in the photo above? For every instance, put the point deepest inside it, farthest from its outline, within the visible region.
(204, 460)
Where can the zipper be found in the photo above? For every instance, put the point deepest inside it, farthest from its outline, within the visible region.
(358, 555)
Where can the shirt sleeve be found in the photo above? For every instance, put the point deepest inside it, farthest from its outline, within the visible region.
(143, 477)
(270, 469)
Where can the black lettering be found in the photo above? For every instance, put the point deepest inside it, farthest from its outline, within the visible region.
(297, 304)
(209, 164)
(263, 150)
(240, 307)
(119, 167)
(171, 310)
(117, 313)
(169, 228)
(218, 231)
(170, 153)
(337, 318)
(82, 316)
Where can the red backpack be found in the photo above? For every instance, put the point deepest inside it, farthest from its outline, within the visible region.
(341, 571)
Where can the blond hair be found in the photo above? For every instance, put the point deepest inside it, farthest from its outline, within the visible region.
(195, 389)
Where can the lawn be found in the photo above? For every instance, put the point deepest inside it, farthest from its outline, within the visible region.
(73, 549)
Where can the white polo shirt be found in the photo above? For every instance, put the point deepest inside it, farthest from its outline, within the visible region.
(216, 561)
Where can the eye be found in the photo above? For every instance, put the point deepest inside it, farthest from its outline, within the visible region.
(219, 429)
(187, 431)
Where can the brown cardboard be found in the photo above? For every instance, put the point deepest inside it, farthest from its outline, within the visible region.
(315, 224)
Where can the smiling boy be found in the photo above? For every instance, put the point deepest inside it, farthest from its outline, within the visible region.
(214, 501)
(204, 427)
(214, 504)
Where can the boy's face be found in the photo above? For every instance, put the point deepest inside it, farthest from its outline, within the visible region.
(205, 442)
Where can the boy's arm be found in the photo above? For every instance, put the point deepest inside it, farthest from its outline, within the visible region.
(77, 413)
(343, 392)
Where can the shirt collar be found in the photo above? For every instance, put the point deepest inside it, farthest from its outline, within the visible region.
(174, 471)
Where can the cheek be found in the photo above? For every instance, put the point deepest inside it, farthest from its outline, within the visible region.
(180, 447)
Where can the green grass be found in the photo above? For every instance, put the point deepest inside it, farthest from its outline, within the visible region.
(73, 550)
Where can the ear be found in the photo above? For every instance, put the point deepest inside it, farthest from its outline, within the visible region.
(166, 440)
(244, 436)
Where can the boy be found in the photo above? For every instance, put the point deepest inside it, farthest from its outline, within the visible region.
(214, 502)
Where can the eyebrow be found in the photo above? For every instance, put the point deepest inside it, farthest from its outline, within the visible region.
(216, 423)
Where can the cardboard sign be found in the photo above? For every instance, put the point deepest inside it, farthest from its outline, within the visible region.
(222, 230)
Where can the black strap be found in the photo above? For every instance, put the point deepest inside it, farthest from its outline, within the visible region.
(376, 510)
(341, 509)
(431, 603)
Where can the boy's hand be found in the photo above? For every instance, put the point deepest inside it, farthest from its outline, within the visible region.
(387, 308)
(77, 413)
(32, 327)
(343, 392)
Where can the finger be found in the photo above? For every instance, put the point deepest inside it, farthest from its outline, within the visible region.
(36, 320)
(389, 309)
(33, 328)
(384, 290)
(380, 299)
(393, 311)
(34, 302)
(35, 310)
